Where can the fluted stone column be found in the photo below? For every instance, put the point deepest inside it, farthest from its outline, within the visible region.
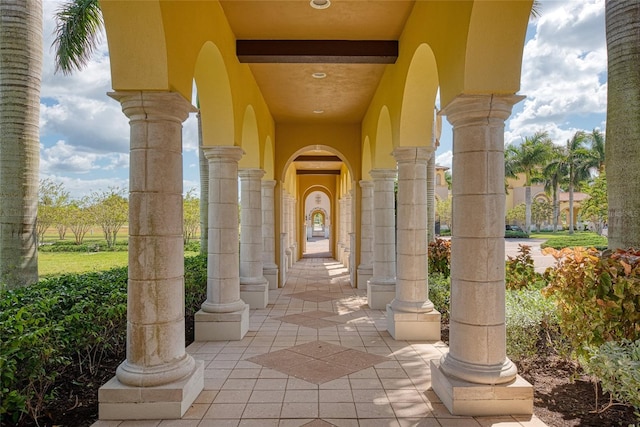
(381, 287)
(254, 287)
(365, 269)
(431, 199)
(477, 354)
(411, 316)
(269, 267)
(158, 378)
(224, 316)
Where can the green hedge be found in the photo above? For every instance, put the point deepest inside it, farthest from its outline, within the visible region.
(71, 321)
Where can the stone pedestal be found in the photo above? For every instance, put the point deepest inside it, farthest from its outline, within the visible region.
(224, 316)
(158, 373)
(381, 287)
(411, 316)
(477, 353)
(254, 287)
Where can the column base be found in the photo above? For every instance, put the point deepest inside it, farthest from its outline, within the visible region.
(271, 274)
(255, 294)
(117, 401)
(379, 295)
(221, 326)
(413, 326)
(471, 399)
(363, 276)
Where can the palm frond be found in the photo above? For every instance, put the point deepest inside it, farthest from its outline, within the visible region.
(78, 26)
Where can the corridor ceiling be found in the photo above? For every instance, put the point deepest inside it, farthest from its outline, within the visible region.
(291, 91)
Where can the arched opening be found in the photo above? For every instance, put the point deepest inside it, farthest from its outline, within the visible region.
(317, 205)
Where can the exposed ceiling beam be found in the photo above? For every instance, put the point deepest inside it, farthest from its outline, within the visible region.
(310, 158)
(316, 172)
(318, 51)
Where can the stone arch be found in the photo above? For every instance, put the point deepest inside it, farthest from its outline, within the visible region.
(267, 159)
(330, 149)
(384, 141)
(418, 100)
(367, 161)
(214, 94)
(250, 140)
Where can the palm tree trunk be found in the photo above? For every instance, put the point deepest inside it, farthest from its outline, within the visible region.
(20, 79)
(623, 127)
(556, 209)
(571, 200)
(527, 209)
(431, 198)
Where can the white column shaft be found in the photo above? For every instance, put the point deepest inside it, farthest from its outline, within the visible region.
(223, 280)
(384, 247)
(268, 221)
(155, 313)
(477, 326)
(366, 224)
(251, 243)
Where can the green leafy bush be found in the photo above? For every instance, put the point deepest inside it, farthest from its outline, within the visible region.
(617, 366)
(68, 322)
(44, 328)
(598, 295)
(192, 246)
(440, 293)
(511, 234)
(440, 257)
(532, 320)
(69, 246)
(520, 271)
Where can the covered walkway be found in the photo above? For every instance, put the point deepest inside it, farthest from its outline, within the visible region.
(317, 355)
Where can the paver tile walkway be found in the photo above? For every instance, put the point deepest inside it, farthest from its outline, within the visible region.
(319, 362)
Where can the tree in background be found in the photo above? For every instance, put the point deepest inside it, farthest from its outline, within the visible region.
(111, 211)
(443, 209)
(541, 213)
(80, 219)
(528, 158)
(191, 216)
(20, 81)
(579, 161)
(53, 201)
(554, 176)
(596, 208)
(623, 122)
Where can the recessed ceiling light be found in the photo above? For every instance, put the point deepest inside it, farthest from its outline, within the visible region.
(319, 75)
(318, 111)
(320, 4)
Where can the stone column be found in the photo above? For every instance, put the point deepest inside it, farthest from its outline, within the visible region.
(158, 377)
(254, 287)
(269, 267)
(477, 353)
(340, 229)
(346, 256)
(292, 231)
(431, 199)
(224, 316)
(286, 205)
(411, 316)
(365, 269)
(381, 287)
(283, 259)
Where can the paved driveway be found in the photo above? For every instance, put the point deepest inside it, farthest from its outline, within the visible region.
(540, 261)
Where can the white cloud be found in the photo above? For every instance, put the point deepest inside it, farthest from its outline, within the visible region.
(564, 70)
(79, 188)
(445, 159)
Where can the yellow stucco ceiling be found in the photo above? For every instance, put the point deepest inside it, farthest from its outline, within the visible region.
(290, 91)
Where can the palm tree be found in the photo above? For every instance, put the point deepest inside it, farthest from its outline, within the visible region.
(528, 159)
(579, 162)
(623, 125)
(597, 148)
(20, 80)
(554, 175)
(78, 26)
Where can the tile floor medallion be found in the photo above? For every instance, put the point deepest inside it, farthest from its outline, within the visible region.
(319, 362)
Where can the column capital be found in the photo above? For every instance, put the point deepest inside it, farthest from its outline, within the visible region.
(383, 174)
(227, 152)
(269, 183)
(412, 154)
(366, 184)
(475, 109)
(249, 173)
(144, 105)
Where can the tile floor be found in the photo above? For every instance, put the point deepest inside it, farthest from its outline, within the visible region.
(319, 356)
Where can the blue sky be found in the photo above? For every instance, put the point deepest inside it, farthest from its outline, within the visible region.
(85, 136)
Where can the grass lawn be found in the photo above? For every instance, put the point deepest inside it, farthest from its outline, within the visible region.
(55, 263)
(562, 239)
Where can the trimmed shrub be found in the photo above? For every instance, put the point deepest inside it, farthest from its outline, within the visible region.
(440, 293)
(439, 255)
(520, 272)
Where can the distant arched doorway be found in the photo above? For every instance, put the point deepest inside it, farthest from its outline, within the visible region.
(317, 208)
